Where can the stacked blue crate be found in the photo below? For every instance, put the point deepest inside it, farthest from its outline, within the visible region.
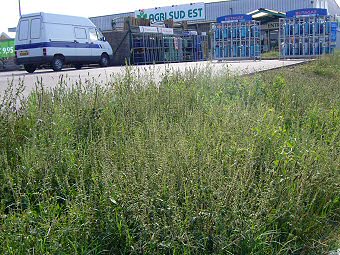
(200, 45)
(240, 39)
(154, 48)
(243, 32)
(307, 33)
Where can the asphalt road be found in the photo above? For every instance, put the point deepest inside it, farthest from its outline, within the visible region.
(50, 79)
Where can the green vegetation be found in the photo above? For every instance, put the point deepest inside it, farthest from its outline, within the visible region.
(271, 55)
(327, 67)
(196, 165)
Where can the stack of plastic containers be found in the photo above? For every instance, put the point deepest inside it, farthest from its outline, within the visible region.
(172, 49)
(307, 33)
(237, 37)
(154, 48)
(195, 47)
(148, 48)
(201, 48)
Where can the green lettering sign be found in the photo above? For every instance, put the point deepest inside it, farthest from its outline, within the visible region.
(7, 49)
(195, 11)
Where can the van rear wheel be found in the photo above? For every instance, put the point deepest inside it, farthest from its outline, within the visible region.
(104, 60)
(57, 63)
(30, 68)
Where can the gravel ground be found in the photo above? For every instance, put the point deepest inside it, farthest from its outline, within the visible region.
(51, 78)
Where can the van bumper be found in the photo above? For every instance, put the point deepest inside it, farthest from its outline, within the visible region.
(34, 60)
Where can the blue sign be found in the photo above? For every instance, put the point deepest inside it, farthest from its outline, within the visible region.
(307, 12)
(234, 18)
(334, 31)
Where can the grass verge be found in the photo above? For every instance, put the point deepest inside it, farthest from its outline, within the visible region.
(271, 55)
(194, 165)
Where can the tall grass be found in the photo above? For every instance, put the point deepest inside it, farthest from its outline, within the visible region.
(193, 165)
(274, 54)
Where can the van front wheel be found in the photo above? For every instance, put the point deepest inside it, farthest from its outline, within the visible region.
(57, 63)
(104, 60)
(78, 66)
(30, 68)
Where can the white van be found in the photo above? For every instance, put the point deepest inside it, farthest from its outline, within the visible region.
(55, 40)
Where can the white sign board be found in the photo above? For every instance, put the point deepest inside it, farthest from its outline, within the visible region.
(153, 30)
(156, 30)
(195, 11)
(166, 31)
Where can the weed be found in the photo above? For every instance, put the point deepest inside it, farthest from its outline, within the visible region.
(196, 164)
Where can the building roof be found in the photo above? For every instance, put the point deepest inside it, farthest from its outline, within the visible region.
(4, 36)
(266, 15)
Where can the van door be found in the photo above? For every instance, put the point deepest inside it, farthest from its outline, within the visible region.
(22, 42)
(35, 37)
(29, 38)
(82, 46)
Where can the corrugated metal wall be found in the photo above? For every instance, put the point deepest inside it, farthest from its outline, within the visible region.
(105, 22)
(217, 9)
(333, 7)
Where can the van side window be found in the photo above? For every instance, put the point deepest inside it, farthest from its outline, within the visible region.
(35, 28)
(93, 34)
(23, 30)
(80, 33)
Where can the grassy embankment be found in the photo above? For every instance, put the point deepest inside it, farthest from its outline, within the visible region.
(200, 165)
(271, 55)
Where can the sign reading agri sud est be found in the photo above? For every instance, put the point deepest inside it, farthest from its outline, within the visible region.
(7, 49)
(183, 12)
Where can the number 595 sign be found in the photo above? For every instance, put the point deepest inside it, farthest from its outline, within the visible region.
(7, 49)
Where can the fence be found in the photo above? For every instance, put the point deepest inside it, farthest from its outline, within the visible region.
(307, 36)
(237, 40)
(154, 48)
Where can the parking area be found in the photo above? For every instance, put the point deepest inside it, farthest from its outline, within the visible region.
(50, 79)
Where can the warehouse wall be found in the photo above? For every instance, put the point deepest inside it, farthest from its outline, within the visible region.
(203, 27)
(105, 22)
(333, 7)
(120, 43)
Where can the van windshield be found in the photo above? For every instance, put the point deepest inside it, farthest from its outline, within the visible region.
(93, 34)
(100, 36)
(96, 35)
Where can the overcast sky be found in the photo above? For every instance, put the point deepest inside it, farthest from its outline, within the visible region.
(10, 12)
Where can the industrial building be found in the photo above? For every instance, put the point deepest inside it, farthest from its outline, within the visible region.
(266, 11)
(221, 8)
